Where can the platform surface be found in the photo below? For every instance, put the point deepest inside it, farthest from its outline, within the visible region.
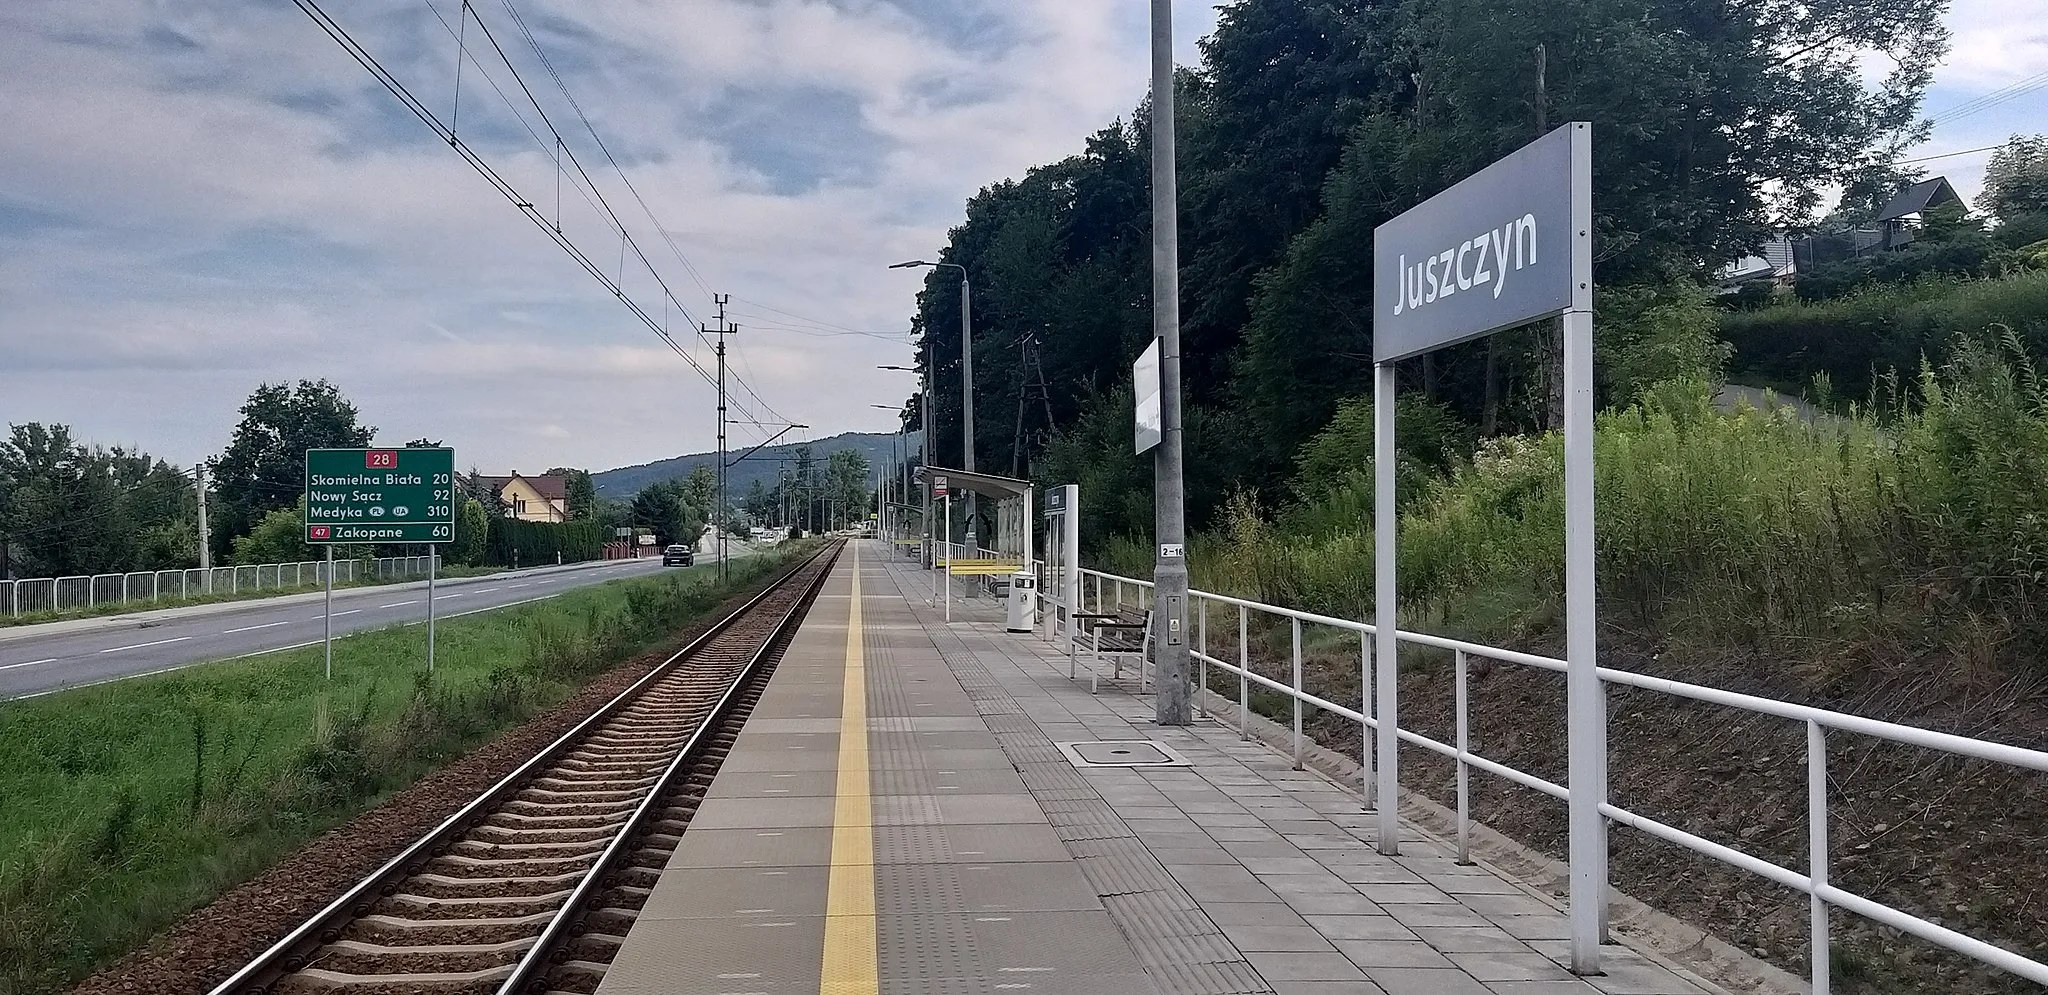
(939, 832)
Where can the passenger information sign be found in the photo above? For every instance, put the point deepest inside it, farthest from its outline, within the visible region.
(380, 495)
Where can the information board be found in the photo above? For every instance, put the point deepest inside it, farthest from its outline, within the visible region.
(380, 495)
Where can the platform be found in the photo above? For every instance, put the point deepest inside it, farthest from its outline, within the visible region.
(939, 832)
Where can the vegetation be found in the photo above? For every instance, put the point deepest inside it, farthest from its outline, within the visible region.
(69, 508)
(129, 805)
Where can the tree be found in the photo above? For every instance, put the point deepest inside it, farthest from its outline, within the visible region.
(582, 492)
(67, 508)
(2016, 179)
(263, 468)
(280, 537)
(472, 532)
(700, 491)
(663, 508)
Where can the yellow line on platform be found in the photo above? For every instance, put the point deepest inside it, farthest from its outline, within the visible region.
(849, 964)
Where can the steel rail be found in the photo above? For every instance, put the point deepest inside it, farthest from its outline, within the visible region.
(288, 954)
(532, 966)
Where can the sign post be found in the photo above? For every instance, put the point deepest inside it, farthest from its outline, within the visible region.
(1509, 245)
(380, 495)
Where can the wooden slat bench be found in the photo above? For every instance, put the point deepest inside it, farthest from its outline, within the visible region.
(1116, 636)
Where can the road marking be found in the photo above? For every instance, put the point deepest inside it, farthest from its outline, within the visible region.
(244, 656)
(849, 958)
(457, 594)
(31, 663)
(351, 611)
(138, 646)
(486, 590)
(400, 604)
(252, 628)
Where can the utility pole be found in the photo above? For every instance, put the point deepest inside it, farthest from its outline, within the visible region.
(719, 517)
(1170, 568)
(205, 533)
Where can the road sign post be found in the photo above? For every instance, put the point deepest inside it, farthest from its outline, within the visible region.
(1507, 246)
(380, 495)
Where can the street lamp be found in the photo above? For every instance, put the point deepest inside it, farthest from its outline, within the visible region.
(924, 443)
(966, 379)
(883, 511)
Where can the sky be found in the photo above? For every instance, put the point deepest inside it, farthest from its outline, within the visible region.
(201, 196)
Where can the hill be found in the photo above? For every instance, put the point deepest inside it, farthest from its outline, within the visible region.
(625, 481)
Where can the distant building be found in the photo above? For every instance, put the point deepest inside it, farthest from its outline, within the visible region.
(543, 498)
(1894, 227)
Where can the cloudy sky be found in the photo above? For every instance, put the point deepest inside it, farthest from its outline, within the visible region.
(202, 195)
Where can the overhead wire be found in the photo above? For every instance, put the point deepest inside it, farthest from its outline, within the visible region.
(412, 103)
(661, 229)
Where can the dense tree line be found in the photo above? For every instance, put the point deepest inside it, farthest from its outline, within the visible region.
(1310, 122)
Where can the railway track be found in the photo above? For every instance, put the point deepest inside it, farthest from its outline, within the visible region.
(531, 887)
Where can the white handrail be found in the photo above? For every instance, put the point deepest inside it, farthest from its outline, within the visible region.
(1108, 591)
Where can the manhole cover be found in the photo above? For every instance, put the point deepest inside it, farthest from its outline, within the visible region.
(1122, 753)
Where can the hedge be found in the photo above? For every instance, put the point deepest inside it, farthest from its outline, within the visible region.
(1853, 339)
(516, 543)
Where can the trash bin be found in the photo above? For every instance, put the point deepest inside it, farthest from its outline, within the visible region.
(1023, 602)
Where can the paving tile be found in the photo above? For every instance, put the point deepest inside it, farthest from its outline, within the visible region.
(1542, 988)
(1525, 965)
(1243, 834)
(1469, 939)
(1327, 988)
(1494, 906)
(1627, 976)
(1434, 915)
(1340, 905)
(1402, 894)
(1297, 939)
(1393, 953)
(1264, 848)
(1425, 981)
(1307, 884)
(1252, 914)
(1301, 866)
(1304, 967)
(1360, 927)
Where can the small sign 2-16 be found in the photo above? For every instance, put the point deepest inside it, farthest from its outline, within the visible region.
(380, 495)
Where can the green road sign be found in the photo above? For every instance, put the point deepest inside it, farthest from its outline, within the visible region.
(380, 495)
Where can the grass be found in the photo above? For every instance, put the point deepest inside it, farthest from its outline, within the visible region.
(131, 607)
(123, 807)
(1909, 535)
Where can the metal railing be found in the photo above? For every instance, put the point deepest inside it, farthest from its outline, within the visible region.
(1102, 591)
(165, 587)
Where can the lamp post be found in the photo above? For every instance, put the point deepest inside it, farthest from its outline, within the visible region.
(966, 381)
(924, 444)
(882, 510)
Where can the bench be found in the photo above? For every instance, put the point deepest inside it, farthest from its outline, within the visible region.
(1115, 636)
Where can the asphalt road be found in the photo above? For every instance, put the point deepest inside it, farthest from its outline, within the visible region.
(36, 665)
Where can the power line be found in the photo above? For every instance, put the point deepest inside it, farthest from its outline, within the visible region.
(412, 103)
(1949, 155)
(1992, 99)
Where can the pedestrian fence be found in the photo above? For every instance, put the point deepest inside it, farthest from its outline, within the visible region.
(1228, 654)
(165, 587)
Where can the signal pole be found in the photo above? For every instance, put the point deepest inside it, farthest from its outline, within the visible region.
(719, 516)
(1170, 568)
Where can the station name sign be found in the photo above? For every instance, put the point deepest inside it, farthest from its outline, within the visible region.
(380, 495)
(1492, 252)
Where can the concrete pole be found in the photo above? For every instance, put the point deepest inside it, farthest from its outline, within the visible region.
(967, 397)
(1171, 706)
(205, 533)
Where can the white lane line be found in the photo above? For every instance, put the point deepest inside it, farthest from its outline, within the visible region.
(244, 656)
(31, 663)
(351, 611)
(400, 604)
(137, 646)
(457, 594)
(253, 628)
(521, 584)
(487, 590)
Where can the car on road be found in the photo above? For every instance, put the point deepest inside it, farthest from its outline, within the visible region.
(678, 556)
